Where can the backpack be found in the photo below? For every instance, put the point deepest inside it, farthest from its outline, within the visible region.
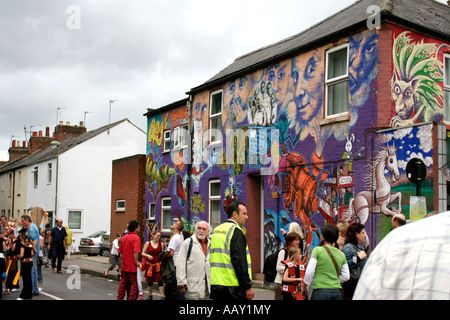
(270, 265)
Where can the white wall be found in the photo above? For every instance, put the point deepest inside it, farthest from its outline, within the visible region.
(85, 174)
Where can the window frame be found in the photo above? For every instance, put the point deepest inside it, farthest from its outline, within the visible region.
(182, 130)
(214, 198)
(166, 140)
(163, 208)
(336, 80)
(121, 209)
(152, 213)
(70, 223)
(215, 116)
(49, 173)
(36, 177)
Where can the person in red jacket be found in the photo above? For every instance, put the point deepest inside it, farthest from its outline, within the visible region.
(130, 247)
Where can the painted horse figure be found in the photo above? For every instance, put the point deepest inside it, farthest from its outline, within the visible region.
(369, 201)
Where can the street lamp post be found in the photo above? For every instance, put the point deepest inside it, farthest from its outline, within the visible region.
(57, 144)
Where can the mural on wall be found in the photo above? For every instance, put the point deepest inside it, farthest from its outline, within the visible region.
(410, 142)
(416, 84)
(378, 197)
(288, 97)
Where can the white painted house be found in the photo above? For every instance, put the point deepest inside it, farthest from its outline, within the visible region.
(84, 175)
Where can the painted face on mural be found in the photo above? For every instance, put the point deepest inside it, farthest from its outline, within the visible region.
(306, 86)
(236, 94)
(275, 79)
(362, 68)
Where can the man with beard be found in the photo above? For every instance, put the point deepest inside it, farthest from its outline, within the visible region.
(193, 269)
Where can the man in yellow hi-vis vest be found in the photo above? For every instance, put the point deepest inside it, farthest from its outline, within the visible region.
(231, 272)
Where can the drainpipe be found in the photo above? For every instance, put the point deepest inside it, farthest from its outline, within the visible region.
(189, 165)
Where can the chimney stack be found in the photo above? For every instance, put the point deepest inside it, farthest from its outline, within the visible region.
(38, 141)
(16, 151)
(63, 132)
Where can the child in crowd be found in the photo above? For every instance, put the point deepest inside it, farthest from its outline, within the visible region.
(293, 276)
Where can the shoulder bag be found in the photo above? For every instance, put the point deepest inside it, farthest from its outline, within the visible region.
(335, 265)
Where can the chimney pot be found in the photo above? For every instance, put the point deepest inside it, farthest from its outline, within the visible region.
(67, 123)
(13, 143)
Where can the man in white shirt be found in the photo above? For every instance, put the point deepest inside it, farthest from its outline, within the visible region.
(410, 263)
(170, 290)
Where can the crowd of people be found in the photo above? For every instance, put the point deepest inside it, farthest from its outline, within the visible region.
(216, 264)
(25, 249)
(209, 264)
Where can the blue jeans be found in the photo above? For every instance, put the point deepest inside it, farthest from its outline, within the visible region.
(326, 294)
(34, 274)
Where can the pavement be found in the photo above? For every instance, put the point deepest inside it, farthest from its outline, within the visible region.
(97, 265)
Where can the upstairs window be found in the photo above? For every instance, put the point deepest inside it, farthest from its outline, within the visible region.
(166, 141)
(215, 117)
(336, 81)
(180, 137)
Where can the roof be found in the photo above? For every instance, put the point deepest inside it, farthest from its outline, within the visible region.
(50, 152)
(151, 112)
(426, 15)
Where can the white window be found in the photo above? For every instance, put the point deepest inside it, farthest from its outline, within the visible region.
(120, 205)
(166, 209)
(336, 81)
(180, 137)
(151, 211)
(214, 203)
(74, 219)
(215, 117)
(35, 177)
(447, 87)
(166, 141)
(49, 173)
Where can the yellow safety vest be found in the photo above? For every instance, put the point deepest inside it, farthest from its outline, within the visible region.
(222, 271)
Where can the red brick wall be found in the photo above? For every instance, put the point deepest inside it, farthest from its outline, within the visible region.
(128, 183)
(254, 221)
(384, 76)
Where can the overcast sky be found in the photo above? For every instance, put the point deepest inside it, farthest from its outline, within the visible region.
(77, 55)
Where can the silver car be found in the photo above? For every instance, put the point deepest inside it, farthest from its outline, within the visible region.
(91, 244)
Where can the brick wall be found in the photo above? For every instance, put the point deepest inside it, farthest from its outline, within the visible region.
(128, 183)
(384, 76)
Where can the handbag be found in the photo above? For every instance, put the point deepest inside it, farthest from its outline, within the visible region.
(336, 266)
(43, 261)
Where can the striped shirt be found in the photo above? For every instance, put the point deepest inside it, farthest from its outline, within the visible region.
(410, 263)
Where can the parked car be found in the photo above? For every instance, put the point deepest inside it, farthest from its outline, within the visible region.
(105, 245)
(91, 244)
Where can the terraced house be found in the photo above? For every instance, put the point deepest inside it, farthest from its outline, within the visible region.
(321, 127)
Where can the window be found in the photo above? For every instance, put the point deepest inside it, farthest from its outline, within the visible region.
(49, 173)
(215, 117)
(120, 205)
(35, 177)
(166, 209)
(166, 141)
(447, 87)
(151, 211)
(180, 137)
(336, 81)
(74, 219)
(214, 203)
